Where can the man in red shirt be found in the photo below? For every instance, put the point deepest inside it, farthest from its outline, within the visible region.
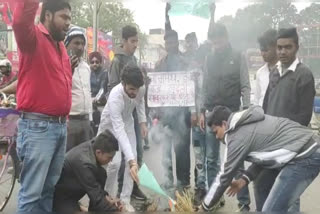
(43, 98)
(8, 76)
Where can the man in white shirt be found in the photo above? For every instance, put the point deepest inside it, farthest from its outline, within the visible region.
(79, 129)
(268, 48)
(117, 117)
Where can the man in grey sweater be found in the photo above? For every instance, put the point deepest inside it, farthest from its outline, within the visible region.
(267, 142)
(290, 94)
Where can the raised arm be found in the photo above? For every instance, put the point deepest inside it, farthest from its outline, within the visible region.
(23, 24)
(212, 21)
(168, 23)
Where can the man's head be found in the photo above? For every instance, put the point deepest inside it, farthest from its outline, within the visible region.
(56, 17)
(95, 59)
(218, 120)
(171, 42)
(130, 39)
(132, 80)
(287, 45)
(268, 46)
(5, 67)
(105, 147)
(219, 37)
(75, 41)
(191, 42)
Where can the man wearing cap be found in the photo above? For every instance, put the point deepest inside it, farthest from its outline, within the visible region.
(6, 74)
(79, 129)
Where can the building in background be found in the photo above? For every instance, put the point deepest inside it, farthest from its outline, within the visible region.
(154, 49)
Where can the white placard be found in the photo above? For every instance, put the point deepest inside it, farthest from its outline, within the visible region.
(169, 89)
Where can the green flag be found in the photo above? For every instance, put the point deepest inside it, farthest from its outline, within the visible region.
(200, 8)
(147, 180)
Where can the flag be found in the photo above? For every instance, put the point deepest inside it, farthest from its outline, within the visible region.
(200, 8)
(6, 14)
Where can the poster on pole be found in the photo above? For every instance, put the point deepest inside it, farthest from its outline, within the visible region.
(171, 89)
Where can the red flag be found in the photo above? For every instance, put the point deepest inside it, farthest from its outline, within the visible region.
(6, 13)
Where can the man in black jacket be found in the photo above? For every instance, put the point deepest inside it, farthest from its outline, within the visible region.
(225, 82)
(83, 174)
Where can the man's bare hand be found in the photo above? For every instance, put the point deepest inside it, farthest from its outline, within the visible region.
(202, 122)
(168, 7)
(236, 186)
(134, 170)
(194, 119)
(212, 8)
(74, 62)
(144, 130)
(115, 201)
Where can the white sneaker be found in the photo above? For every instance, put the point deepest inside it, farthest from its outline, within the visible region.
(129, 208)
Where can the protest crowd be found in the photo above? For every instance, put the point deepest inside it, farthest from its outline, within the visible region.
(83, 129)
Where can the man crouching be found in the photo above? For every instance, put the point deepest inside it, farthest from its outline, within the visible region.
(83, 174)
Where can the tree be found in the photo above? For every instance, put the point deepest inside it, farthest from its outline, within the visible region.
(112, 16)
(256, 18)
(309, 32)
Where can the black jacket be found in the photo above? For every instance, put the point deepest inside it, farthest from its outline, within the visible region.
(226, 80)
(98, 79)
(82, 175)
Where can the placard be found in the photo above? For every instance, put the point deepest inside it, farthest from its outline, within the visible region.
(171, 89)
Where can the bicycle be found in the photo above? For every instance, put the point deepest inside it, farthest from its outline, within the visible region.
(9, 163)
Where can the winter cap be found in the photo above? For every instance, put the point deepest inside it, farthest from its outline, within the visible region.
(74, 32)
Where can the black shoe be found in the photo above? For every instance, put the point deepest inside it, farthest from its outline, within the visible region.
(199, 195)
(243, 208)
(137, 193)
(222, 201)
(146, 147)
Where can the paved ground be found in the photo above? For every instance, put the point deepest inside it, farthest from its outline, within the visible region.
(310, 200)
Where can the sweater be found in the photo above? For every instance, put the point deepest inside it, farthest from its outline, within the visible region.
(293, 96)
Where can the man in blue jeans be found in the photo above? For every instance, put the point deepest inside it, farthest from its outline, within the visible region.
(44, 99)
(225, 82)
(268, 142)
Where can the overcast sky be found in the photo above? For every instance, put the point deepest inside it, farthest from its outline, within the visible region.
(150, 14)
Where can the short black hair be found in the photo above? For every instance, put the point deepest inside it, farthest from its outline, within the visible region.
(218, 115)
(268, 39)
(53, 6)
(131, 74)
(289, 33)
(172, 34)
(106, 142)
(219, 30)
(129, 31)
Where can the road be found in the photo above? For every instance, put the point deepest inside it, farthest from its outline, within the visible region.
(310, 201)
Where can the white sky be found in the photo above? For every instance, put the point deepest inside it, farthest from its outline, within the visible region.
(149, 14)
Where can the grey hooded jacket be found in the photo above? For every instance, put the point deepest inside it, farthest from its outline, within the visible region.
(266, 141)
(120, 60)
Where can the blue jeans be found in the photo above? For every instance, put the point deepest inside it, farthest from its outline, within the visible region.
(291, 182)
(199, 148)
(262, 186)
(213, 165)
(41, 148)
